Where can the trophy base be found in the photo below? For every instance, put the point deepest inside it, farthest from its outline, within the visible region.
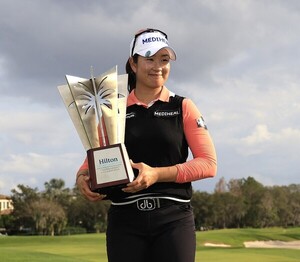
(109, 168)
(110, 191)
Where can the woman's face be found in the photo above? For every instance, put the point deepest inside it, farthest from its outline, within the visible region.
(152, 72)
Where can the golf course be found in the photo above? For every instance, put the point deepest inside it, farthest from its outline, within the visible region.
(225, 245)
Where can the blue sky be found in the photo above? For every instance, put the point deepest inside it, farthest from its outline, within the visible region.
(237, 60)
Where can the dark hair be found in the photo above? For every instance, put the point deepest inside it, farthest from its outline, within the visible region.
(131, 74)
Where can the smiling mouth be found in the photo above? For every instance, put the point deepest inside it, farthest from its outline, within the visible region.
(155, 75)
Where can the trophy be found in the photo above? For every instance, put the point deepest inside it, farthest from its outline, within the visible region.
(97, 107)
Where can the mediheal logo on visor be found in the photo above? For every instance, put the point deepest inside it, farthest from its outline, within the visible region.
(154, 39)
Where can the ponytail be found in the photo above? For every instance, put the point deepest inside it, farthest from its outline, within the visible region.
(131, 74)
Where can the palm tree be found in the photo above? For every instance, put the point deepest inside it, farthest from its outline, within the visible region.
(91, 99)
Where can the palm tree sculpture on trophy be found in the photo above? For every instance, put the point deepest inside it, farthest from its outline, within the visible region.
(97, 107)
(94, 100)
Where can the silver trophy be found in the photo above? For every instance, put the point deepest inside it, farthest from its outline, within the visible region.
(97, 107)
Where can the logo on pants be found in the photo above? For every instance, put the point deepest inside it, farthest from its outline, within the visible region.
(146, 204)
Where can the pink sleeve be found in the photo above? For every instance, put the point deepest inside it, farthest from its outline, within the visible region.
(85, 165)
(204, 163)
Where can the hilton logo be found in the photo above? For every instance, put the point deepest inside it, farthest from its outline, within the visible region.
(107, 160)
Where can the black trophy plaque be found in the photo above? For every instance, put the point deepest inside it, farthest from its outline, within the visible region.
(109, 167)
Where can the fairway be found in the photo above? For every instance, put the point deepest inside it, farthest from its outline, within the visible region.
(91, 247)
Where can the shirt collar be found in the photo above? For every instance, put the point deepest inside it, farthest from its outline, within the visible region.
(164, 96)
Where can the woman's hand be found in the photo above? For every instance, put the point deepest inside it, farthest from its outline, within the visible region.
(83, 185)
(147, 176)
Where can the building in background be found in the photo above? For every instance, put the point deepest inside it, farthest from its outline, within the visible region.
(6, 205)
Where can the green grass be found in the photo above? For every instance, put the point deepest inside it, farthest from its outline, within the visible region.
(236, 237)
(88, 247)
(91, 247)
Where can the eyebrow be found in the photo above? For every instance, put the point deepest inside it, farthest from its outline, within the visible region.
(165, 55)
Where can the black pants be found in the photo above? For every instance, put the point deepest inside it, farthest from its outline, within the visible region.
(166, 234)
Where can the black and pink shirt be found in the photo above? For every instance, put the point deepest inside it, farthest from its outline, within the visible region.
(160, 133)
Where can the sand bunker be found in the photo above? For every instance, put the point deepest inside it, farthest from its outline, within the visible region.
(263, 244)
(215, 245)
(272, 244)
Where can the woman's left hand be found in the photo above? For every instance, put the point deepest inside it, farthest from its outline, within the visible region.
(147, 176)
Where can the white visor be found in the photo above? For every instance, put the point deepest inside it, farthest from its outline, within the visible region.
(149, 43)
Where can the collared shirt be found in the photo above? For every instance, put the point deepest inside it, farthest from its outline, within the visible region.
(204, 162)
(164, 96)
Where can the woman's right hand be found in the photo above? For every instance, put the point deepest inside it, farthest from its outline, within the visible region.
(83, 185)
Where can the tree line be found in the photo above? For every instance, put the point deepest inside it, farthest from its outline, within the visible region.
(238, 203)
(242, 203)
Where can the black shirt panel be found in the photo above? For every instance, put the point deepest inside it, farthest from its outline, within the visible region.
(156, 137)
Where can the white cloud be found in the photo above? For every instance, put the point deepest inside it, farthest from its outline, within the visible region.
(34, 170)
(29, 163)
(261, 140)
(37, 143)
(260, 135)
(238, 61)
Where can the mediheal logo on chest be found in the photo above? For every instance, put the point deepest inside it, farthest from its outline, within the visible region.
(166, 113)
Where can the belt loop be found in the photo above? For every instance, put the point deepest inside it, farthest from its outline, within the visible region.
(158, 202)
